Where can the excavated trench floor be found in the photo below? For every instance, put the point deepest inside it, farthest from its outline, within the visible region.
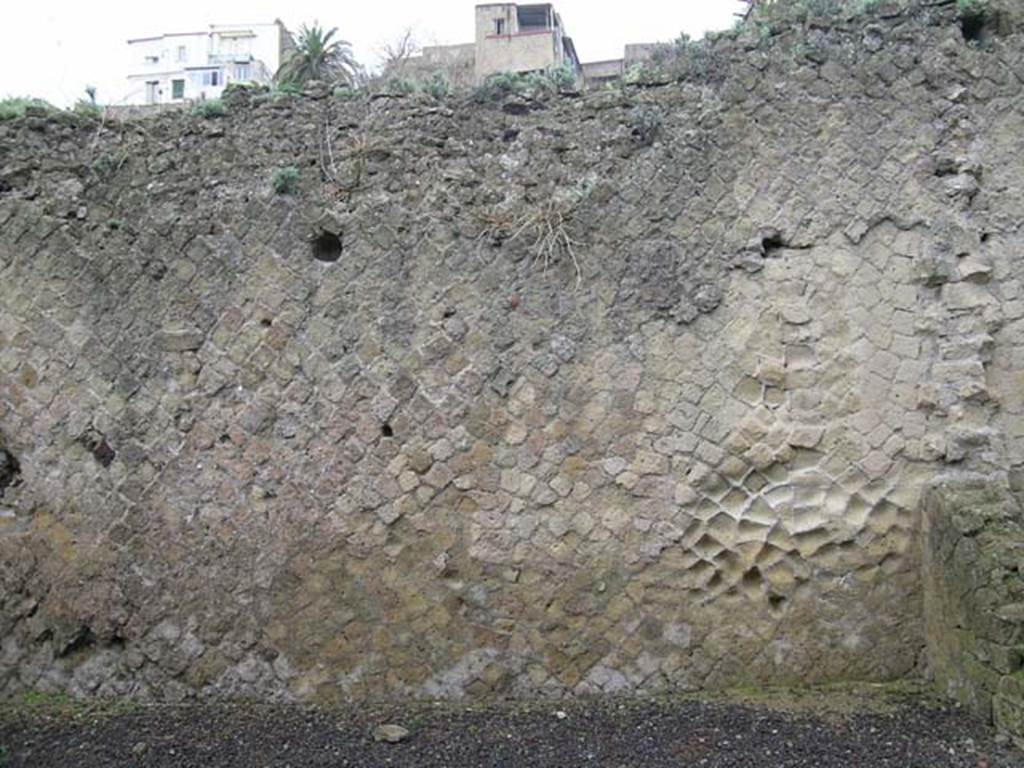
(863, 727)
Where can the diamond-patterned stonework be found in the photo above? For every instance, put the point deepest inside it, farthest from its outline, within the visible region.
(571, 413)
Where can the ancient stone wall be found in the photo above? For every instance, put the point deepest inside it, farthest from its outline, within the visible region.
(974, 596)
(635, 391)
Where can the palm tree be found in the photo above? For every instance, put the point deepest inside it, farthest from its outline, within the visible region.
(315, 56)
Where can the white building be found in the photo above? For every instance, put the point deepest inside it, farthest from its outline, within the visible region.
(192, 66)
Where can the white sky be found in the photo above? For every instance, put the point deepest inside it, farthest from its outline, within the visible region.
(52, 49)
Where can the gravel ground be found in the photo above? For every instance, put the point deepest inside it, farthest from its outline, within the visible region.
(822, 729)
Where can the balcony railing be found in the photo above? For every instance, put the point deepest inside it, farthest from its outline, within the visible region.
(230, 58)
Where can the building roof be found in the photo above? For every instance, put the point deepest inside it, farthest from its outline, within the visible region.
(226, 30)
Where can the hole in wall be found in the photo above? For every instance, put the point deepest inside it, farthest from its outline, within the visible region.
(946, 166)
(10, 471)
(973, 27)
(776, 601)
(266, 322)
(98, 446)
(985, 236)
(978, 26)
(752, 577)
(772, 242)
(386, 430)
(82, 640)
(327, 247)
(104, 454)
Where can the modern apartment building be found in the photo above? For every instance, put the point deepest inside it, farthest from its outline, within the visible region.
(509, 38)
(182, 67)
(521, 38)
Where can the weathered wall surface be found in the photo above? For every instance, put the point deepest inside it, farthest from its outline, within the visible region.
(631, 392)
(974, 596)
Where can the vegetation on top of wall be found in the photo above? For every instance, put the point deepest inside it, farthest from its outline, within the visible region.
(346, 93)
(210, 109)
(703, 61)
(401, 86)
(438, 86)
(694, 59)
(88, 107)
(85, 108)
(800, 10)
(279, 89)
(684, 59)
(497, 87)
(15, 106)
(976, 17)
(316, 55)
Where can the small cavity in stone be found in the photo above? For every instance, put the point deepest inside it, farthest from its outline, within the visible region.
(327, 247)
(10, 471)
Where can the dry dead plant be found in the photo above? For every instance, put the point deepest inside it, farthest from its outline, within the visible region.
(358, 149)
(495, 225)
(548, 227)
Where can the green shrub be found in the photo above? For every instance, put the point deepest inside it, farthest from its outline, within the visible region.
(286, 88)
(107, 164)
(562, 77)
(437, 86)
(15, 106)
(210, 109)
(971, 7)
(496, 87)
(401, 86)
(344, 93)
(824, 8)
(684, 59)
(86, 108)
(645, 121)
(537, 82)
(285, 181)
(644, 73)
(550, 80)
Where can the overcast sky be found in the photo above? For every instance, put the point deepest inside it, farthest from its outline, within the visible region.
(54, 48)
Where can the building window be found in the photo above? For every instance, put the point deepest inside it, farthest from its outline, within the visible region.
(152, 59)
(177, 89)
(211, 77)
(182, 53)
(152, 92)
(243, 73)
(499, 26)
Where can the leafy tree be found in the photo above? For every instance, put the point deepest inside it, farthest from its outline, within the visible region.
(316, 55)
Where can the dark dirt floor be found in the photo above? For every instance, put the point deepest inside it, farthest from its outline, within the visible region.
(864, 728)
